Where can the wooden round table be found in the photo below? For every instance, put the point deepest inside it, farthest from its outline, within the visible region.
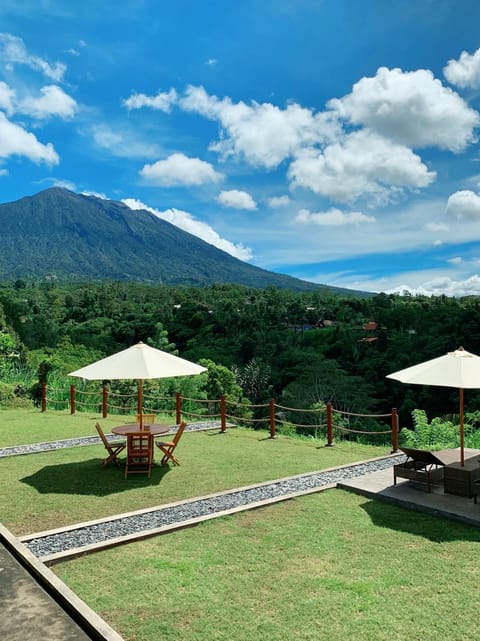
(155, 429)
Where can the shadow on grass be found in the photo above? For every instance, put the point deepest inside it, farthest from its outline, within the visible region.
(90, 478)
(433, 528)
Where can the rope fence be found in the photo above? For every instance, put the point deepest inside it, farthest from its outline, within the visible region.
(278, 416)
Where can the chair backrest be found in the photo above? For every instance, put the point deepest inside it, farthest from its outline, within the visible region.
(146, 419)
(139, 444)
(178, 433)
(139, 453)
(421, 456)
(102, 436)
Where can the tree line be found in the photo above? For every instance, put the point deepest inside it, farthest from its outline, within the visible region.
(301, 348)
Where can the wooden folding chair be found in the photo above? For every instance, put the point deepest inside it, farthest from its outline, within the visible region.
(145, 419)
(139, 453)
(168, 447)
(113, 449)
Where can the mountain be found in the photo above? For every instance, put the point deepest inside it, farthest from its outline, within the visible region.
(75, 237)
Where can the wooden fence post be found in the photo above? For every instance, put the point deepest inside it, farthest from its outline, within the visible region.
(272, 419)
(178, 408)
(105, 402)
(394, 430)
(44, 397)
(329, 425)
(223, 412)
(72, 399)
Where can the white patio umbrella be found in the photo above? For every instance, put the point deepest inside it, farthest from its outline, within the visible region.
(459, 369)
(138, 362)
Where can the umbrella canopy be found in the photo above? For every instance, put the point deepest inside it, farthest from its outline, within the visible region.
(459, 369)
(138, 362)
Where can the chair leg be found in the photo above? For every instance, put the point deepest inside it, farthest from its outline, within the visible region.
(109, 459)
(169, 456)
(113, 455)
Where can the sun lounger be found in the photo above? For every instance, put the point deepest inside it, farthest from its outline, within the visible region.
(422, 466)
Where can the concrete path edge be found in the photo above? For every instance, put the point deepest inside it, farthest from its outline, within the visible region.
(78, 610)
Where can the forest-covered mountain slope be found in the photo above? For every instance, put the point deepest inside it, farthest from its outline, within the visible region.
(77, 237)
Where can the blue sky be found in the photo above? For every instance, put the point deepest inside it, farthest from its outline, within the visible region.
(332, 140)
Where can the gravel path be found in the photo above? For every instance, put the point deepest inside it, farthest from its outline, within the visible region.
(213, 505)
(34, 448)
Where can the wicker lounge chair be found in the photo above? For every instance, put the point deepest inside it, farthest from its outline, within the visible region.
(422, 466)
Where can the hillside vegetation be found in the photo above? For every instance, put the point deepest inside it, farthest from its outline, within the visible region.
(301, 348)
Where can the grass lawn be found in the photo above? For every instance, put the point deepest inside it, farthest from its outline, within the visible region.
(329, 566)
(61, 487)
(24, 426)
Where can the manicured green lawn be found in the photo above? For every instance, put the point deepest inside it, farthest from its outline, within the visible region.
(51, 489)
(23, 426)
(329, 566)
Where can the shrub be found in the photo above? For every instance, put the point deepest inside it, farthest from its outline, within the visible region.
(13, 395)
(436, 435)
(6, 393)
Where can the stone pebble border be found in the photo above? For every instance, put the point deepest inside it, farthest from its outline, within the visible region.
(57, 545)
(34, 448)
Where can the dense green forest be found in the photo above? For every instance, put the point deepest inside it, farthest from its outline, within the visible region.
(301, 348)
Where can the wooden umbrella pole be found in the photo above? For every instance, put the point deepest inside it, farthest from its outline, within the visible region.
(462, 456)
(140, 402)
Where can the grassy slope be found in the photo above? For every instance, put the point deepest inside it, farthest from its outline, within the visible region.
(23, 426)
(326, 566)
(330, 566)
(66, 486)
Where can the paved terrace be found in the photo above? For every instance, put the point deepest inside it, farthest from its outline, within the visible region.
(408, 494)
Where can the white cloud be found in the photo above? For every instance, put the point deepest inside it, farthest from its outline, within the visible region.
(163, 101)
(394, 111)
(464, 72)
(96, 194)
(65, 184)
(464, 205)
(333, 218)
(7, 96)
(263, 134)
(423, 283)
(457, 260)
(443, 285)
(410, 108)
(236, 199)
(122, 143)
(179, 169)
(363, 164)
(52, 102)
(211, 62)
(396, 229)
(278, 201)
(13, 51)
(192, 225)
(14, 140)
(75, 52)
(4, 172)
(436, 227)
